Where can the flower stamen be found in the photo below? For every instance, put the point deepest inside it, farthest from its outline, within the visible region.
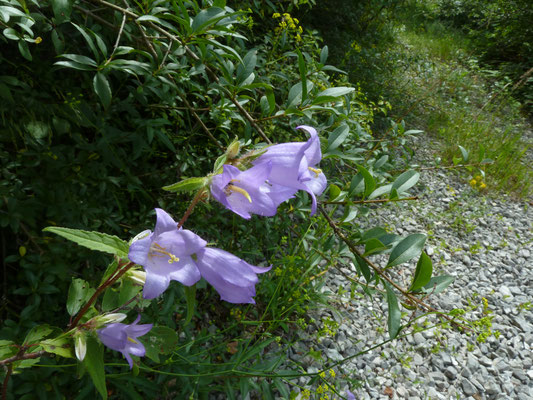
(132, 340)
(317, 171)
(232, 188)
(171, 257)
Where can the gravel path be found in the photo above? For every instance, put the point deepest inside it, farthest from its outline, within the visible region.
(487, 244)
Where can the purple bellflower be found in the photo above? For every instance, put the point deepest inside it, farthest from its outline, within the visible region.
(233, 278)
(165, 254)
(122, 337)
(293, 167)
(247, 192)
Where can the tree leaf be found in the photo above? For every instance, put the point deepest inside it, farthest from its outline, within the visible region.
(332, 94)
(78, 293)
(93, 240)
(207, 17)
(373, 246)
(37, 333)
(405, 181)
(408, 248)
(424, 269)
(62, 347)
(303, 74)
(94, 362)
(337, 137)
(370, 182)
(62, 10)
(187, 185)
(438, 283)
(395, 316)
(102, 89)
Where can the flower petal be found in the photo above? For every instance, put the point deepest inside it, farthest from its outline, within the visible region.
(164, 222)
(138, 252)
(188, 273)
(155, 284)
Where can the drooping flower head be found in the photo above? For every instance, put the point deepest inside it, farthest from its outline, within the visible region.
(293, 165)
(122, 337)
(165, 254)
(245, 192)
(233, 278)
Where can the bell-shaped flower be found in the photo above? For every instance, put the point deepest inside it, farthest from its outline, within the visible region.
(122, 337)
(293, 167)
(246, 192)
(233, 278)
(165, 254)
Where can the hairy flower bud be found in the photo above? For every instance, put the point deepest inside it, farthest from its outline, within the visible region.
(80, 345)
(109, 318)
(233, 150)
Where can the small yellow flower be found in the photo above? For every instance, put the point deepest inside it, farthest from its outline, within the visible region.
(276, 15)
(478, 178)
(482, 185)
(38, 40)
(473, 182)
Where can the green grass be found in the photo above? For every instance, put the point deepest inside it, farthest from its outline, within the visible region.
(439, 87)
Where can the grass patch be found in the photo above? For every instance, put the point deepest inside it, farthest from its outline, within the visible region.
(440, 87)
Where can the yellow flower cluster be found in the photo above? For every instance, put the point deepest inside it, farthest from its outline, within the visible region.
(288, 24)
(477, 182)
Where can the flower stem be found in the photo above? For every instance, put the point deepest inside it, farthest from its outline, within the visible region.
(194, 201)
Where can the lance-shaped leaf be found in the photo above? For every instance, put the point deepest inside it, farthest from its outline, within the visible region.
(94, 362)
(370, 182)
(102, 89)
(93, 240)
(332, 94)
(408, 248)
(424, 269)
(78, 293)
(187, 185)
(395, 316)
(438, 283)
(405, 181)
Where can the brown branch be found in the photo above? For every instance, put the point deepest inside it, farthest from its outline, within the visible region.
(194, 201)
(6, 381)
(110, 281)
(19, 357)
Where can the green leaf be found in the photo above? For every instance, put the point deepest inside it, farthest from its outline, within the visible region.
(128, 289)
(160, 340)
(424, 269)
(80, 59)
(464, 153)
(62, 10)
(334, 192)
(24, 50)
(37, 333)
(74, 65)
(303, 74)
(380, 191)
(363, 267)
(408, 248)
(78, 293)
(62, 347)
(324, 55)
(150, 18)
(187, 185)
(207, 17)
(332, 94)
(405, 181)
(10, 33)
(337, 137)
(7, 349)
(355, 184)
(370, 182)
(373, 246)
(395, 316)
(102, 89)
(93, 240)
(246, 68)
(190, 297)
(94, 362)
(382, 160)
(438, 283)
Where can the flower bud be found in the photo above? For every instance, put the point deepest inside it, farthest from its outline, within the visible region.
(233, 150)
(80, 345)
(109, 318)
(137, 276)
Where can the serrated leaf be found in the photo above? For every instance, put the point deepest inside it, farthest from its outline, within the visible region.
(102, 89)
(78, 293)
(187, 185)
(424, 269)
(394, 318)
(161, 340)
(37, 333)
(407, 249)
(93, 240)
(405, 181)
(61, 347)
(94, 362)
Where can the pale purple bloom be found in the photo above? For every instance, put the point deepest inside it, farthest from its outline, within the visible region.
(293, 167)
(349, 395)
(245, 192)
(233, 278)
(122, 337)
(166, 254)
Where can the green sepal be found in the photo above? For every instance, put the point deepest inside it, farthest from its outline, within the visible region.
(187, 185)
